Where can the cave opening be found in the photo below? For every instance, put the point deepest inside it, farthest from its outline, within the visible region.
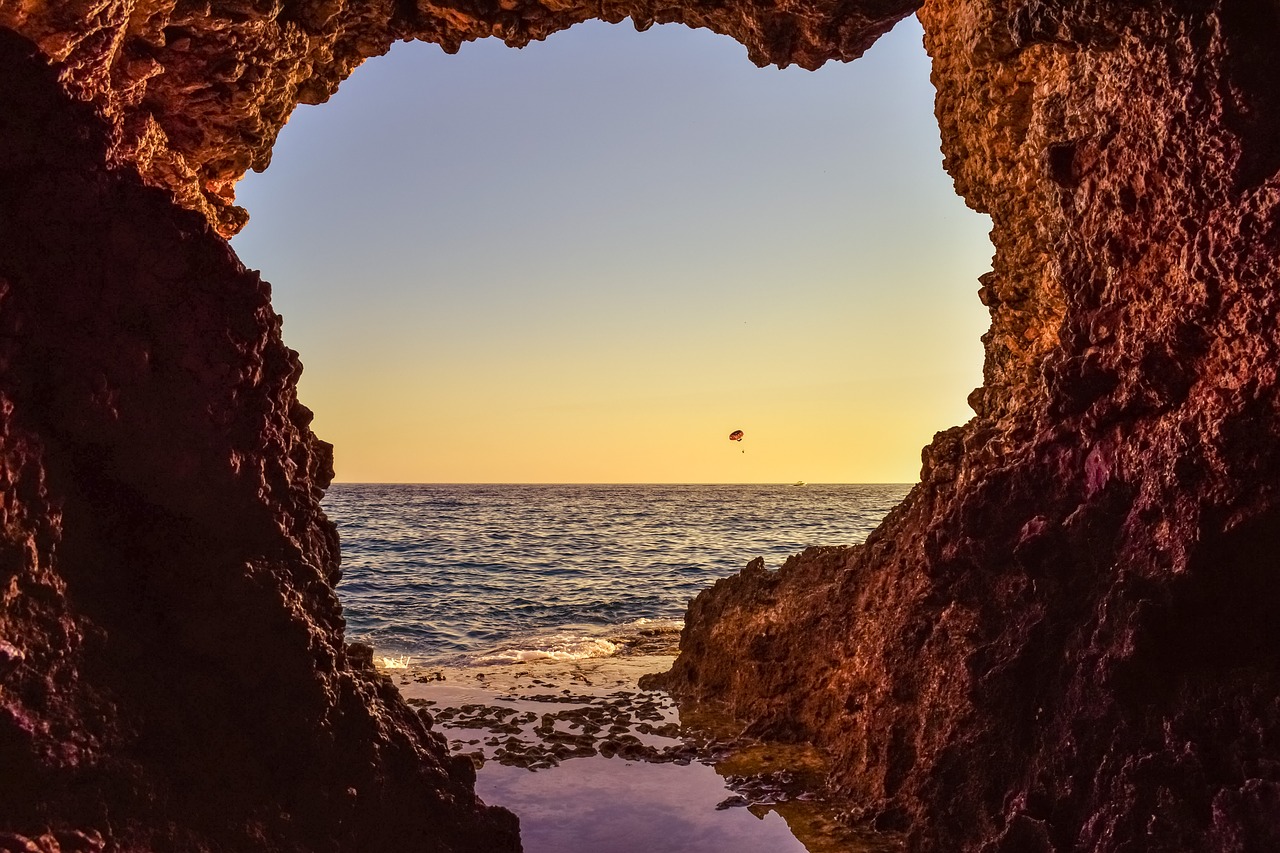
(1060, 638)
(582, 265)
(586, 260)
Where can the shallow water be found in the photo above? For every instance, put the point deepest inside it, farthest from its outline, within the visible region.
(456, 573)
(603, 805)
(548, 741)
(542, 599)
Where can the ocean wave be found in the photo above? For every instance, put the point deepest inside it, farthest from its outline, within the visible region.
(648, 624)
(450, 573)
(642, 636)
(558, 647)
(647, 636)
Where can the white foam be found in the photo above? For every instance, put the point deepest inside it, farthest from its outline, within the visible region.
(661, 624)
(401, 662)
(560, 647)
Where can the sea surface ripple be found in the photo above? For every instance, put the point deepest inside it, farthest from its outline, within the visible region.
(474, 573)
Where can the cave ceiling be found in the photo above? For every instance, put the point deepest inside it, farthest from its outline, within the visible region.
(198, 91)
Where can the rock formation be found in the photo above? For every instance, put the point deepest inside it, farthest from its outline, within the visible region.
(1064, 639)
(172, 672)
(197, 91)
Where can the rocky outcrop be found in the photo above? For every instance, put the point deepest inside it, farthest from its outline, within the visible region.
(1064, 639)
(172, 671)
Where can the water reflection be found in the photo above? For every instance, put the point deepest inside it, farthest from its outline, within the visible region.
(591, 763)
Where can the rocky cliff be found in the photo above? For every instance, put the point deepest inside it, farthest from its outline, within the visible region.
(1064, 639)
(172, 671)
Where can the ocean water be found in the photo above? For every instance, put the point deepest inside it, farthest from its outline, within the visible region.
(474, 574)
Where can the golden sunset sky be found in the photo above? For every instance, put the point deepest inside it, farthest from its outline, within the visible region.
(592, 259)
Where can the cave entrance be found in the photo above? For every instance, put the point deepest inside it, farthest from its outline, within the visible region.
(588, 262)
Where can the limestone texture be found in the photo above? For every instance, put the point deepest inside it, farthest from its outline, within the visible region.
(172, 667)
(1065, 639)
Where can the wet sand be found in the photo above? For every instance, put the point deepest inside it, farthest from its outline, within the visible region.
(593, 764)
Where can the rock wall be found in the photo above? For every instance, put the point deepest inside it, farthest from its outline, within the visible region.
(1064, 639)
(172, 671)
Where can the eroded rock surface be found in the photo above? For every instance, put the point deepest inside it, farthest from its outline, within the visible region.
(197, 91)
(172, 671)
(1065, 638)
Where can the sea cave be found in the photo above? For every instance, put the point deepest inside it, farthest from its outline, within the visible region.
(1063, 639)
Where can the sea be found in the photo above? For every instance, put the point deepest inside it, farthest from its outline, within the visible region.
(460, 575)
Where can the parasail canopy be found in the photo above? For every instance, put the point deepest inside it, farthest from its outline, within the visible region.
(736, 435)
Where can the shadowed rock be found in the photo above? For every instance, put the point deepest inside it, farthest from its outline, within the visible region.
(172, 673)
(1064, 639)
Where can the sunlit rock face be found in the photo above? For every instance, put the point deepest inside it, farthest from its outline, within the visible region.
(197, 91)
(1065, 639)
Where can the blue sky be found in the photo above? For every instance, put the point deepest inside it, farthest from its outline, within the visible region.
(591, 259)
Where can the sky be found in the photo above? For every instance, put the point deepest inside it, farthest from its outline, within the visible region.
(592, 259)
